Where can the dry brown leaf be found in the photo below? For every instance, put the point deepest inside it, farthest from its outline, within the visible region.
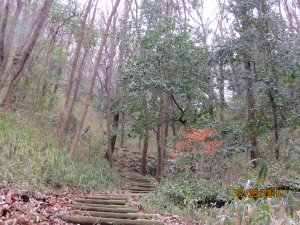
(21, 219)
(8, 197)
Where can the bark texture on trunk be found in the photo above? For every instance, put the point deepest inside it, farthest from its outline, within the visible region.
(89, 94)
(275, 126)
(159, 156)
(113, 138)
(145, 150)
(122, 130)
(140, 139)
(163, 127)
(251, 113)
(173, 130)
(108, 91)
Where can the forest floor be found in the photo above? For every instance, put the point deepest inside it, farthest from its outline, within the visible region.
(20, 206)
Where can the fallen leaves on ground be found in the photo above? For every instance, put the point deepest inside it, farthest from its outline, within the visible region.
(19, 206)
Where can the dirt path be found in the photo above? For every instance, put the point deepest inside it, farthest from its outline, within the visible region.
(112, 209)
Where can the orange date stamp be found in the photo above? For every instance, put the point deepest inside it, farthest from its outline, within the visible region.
(257, 193)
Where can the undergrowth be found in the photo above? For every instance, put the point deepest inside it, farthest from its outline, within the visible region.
(28, 156)
(206, 192)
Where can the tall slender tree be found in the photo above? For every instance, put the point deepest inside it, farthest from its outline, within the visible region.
(71, 77)
(89, 94)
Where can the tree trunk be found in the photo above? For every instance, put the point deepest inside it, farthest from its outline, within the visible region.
(173, 130)
(108, 88)
(163, 128)
(140, 140)
(82, 66)
(10, 37)
(122, 130)
(113, 138)
(23, 39)
(167, 130)
(276, 127)
(159, 156)
(21, 65)
(89, 94)
(119, 74)
(289, 15)
(251, 113)
(1, 8)
(144, 156)
(72, 73)
(2, 36)
(222, 97)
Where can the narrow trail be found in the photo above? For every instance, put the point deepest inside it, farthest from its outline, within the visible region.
(112, 209)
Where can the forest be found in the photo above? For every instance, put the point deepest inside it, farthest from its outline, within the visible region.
(149, 112)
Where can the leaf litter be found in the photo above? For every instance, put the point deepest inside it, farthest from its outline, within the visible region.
(19, 206)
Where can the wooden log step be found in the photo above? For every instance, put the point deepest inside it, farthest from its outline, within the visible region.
(144, 185)
(103, 202)
(133, 174)
(140, 192)
(131, 194)
(99, 205)
(103, 209)
(139, 189)
(138, 180)
(141, 182)
(137, 177)
(142, 188)
(115, 215)
(106, 197)
(83, 220)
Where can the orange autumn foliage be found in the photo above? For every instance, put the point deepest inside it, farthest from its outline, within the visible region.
(194, 143)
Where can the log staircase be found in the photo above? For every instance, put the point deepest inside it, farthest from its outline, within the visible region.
(112, 209)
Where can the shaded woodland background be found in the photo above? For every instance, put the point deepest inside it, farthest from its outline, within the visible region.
(93, 82)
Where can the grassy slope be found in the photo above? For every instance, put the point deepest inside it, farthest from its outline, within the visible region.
(28, 156)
